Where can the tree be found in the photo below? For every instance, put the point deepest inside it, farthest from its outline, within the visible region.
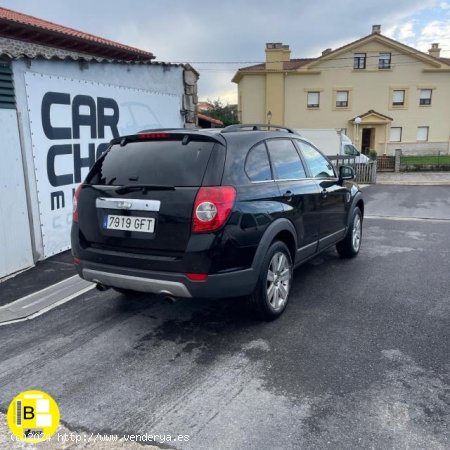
(226, 113)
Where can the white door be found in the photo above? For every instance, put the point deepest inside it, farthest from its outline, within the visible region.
(15, 240)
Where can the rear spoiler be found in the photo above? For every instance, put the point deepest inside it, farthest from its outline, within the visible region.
(175, 134)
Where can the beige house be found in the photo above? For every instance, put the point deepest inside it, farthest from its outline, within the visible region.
(384, 94)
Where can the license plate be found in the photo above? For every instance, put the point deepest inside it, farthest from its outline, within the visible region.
(127, 223)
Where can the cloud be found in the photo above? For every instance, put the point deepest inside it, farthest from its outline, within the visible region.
(436, 31)
(391, 31)
(199, 31)
(406, 31)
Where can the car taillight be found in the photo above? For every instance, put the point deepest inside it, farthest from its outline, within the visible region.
(144, 136)
(75, 204)
(197, 276)
(212, 208)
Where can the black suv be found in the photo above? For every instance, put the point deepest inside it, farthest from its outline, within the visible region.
(191, 213)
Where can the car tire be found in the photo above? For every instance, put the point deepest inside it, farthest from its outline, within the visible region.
(271, 294)
(350, 245)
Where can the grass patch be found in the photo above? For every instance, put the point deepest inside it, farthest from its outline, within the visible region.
(443, 159)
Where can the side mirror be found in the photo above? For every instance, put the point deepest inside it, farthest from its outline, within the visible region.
(346, 173)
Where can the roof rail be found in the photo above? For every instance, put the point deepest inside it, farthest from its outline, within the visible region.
(256, 127)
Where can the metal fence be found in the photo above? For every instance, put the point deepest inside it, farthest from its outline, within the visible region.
(386, 163)
(365, 173)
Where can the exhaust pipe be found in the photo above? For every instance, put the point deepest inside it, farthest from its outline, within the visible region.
(101, 287)
(168, 297)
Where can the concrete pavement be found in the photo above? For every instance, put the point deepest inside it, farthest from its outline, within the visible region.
(357, 361)
(65, 439)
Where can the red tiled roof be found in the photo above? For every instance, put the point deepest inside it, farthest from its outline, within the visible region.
(210, 119)
(393, 41)
(368, 113)
(296, 63)
(293, 64)
(16, 25)
(204, 106)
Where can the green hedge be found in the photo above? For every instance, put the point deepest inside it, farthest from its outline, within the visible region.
(443, 159)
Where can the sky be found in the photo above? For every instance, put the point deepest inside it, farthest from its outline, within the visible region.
(217, 38)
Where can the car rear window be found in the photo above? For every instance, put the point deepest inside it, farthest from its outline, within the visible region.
(153, 162)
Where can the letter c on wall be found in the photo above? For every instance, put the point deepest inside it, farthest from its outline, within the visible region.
(53, 152)
(49, 99)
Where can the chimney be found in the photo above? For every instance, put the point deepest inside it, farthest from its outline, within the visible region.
(435, 50)
(376, 29)
(326, 51)
(276, 54)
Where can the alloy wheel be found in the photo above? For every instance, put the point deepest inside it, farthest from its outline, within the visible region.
(356, 233)
(278, 280)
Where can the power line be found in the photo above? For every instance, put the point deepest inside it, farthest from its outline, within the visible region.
(347, 58)
(367, 69)
(311, 59)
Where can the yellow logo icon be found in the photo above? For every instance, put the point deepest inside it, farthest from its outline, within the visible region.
(33, 416)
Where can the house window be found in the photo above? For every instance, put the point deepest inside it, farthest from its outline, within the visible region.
(359, 61)
(313, 99)
(425, 97)
(422, 134)
(398, 98)
(384, 61)
(395, 134)
(341, 99)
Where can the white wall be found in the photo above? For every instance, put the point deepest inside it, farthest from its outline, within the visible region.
(154, 79)
(15, 238)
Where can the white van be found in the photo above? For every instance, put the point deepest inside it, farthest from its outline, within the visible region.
(332, 142)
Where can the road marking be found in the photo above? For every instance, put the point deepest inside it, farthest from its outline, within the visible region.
(38, 303)
(415, 219)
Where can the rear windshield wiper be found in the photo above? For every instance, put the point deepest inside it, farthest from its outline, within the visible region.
(144, 188)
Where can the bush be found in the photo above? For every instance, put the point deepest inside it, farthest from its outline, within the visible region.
(427, 159)
(372, 154)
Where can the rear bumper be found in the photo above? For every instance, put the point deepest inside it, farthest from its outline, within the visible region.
(222, 285)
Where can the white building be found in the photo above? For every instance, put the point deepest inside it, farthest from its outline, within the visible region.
(63, 95)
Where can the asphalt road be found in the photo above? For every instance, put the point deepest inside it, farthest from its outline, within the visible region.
(360, 359)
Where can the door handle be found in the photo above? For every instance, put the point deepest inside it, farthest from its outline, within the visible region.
(324, 193)
(288, 195)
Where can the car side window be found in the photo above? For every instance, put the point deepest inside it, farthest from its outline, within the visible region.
(319, 166)
(257, 165)
(286, 162)
(350, 150)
